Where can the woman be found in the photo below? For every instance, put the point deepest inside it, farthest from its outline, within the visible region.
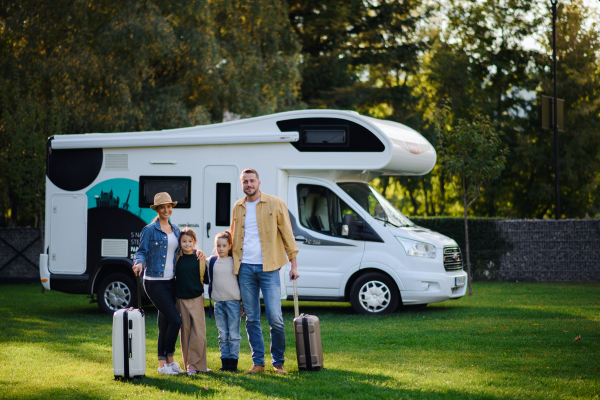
(156, 257)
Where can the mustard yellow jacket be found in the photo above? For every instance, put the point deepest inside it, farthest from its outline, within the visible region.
(274, 229)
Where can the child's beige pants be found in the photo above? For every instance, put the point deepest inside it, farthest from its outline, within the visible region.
(193, 333)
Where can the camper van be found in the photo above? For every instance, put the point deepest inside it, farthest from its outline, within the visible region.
(354, 246)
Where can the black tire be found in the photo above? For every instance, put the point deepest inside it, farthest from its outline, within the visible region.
(116, 291)
(374, 294)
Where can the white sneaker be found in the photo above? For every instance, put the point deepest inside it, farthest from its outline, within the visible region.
(166, 370)
(176, 367)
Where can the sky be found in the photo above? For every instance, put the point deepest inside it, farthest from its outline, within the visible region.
(592, 3)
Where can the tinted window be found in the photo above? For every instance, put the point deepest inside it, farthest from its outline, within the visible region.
(322, 210)
(374, 203)
(222, 212)
(178, 187)
(331, 135)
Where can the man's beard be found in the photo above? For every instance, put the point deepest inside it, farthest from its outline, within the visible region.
(249, 193)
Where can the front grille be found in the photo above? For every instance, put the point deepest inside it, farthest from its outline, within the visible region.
(453, 260)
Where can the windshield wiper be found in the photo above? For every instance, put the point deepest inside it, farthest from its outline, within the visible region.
(386, 221)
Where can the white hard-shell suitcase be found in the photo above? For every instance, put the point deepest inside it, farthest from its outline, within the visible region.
(129, 341)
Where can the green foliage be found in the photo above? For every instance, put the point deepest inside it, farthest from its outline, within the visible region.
(515, 341)
(120, 66)
(25, 125)
(360, 55)
(127, 66)
(479, 59)
(529, 187)
(471, 156)
(325, 29)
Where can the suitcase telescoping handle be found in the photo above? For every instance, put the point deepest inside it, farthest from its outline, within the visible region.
(139, 293)
(296, 312)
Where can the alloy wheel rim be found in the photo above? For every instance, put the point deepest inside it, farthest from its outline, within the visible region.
(117, 295)
(374, 296)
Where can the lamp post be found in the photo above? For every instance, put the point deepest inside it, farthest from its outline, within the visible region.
(555, 114)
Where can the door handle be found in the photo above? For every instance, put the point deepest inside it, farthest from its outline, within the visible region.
(300, 239)
(208, 230)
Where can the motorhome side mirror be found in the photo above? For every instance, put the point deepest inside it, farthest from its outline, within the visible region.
(349, 226)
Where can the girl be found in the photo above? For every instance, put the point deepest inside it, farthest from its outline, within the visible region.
(156, 259)
(225, 290)
(190, 303)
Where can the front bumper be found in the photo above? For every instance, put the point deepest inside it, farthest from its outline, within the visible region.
(428, 287)
(44, 272)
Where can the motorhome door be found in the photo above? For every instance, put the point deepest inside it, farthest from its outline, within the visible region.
(221, 185)
(325, 256)
(68, 234)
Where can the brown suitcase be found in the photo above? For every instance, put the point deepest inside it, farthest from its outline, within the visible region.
(307, 332)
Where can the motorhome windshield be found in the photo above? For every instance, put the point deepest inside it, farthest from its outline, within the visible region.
(375, 204)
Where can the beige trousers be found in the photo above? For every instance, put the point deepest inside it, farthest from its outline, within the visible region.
(193, 333)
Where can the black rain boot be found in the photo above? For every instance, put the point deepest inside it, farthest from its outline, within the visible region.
(224, 364)
(233, 364)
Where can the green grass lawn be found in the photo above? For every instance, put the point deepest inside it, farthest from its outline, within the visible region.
(507, 341)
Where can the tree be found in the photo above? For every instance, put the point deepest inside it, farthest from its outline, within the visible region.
(24, 129)
(360, 55)
(471, 157)
(531, 174)
(116, 66)
(479, 59)
(325, 30)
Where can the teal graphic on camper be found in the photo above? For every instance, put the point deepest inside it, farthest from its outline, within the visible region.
(120, 193)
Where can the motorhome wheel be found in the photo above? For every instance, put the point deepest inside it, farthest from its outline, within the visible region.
(374, 293)
(116, 291)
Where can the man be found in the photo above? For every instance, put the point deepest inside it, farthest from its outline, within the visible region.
(262, 236)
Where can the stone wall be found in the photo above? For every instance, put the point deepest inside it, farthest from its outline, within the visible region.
(548, 250)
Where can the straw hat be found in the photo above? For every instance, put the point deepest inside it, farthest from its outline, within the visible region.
(162, 198)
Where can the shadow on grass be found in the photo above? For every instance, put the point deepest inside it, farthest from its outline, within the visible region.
(303, 385)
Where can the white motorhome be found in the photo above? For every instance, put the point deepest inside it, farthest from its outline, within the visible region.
(354, 245)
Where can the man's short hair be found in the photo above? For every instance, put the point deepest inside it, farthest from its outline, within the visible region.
(249, 171)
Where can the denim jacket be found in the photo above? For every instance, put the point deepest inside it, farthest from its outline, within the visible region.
(153, 249)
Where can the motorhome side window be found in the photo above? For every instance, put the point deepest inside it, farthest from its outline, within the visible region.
(179, 187)
(324, 137)
(322, 210)
(223, 201)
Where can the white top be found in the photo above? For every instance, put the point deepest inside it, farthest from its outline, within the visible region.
(169, 273)
(251, 250)
(225, 285)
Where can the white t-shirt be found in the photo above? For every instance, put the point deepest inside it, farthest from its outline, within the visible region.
(169, 273)
(251, 250)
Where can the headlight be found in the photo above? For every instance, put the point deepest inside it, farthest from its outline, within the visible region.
(417, 249)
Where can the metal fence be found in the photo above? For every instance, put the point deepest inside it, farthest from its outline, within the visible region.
(534, 250)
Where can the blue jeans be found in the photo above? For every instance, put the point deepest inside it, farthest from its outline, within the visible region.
(162, 295)
(252, 281)
(227, 317)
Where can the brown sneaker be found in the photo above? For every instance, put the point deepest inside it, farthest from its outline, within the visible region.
(279, 369)
(256, 369)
